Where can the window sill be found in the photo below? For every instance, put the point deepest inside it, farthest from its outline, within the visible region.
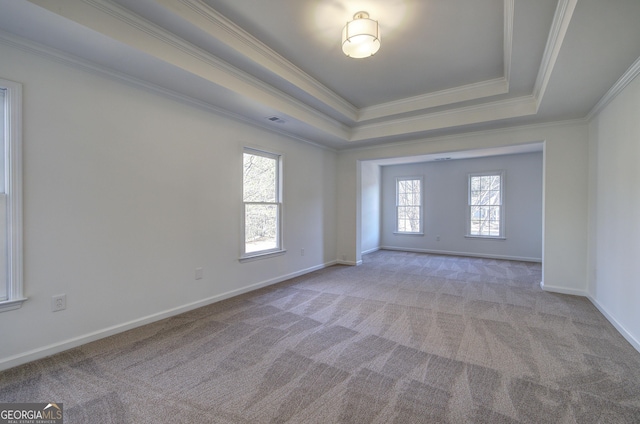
(407, 234)
(265, 255)
(485, 237)
(10, 305)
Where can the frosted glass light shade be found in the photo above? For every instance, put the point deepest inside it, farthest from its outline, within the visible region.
(361, 37)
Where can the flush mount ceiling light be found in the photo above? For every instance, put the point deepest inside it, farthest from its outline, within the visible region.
(361, 37)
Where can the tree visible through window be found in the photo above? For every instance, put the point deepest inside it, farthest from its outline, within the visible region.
(10, 196)
(4, 289)
(409, 205)
(262, 205)
(485, 205)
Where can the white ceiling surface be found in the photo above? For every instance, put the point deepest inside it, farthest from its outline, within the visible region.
(445, 66)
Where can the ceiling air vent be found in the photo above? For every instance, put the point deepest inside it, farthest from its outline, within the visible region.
(439, 159)
(276, 119)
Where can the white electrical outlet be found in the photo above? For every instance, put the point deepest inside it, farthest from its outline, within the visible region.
(437, 238)
(301, 252)
(199, 273)
(58, 302)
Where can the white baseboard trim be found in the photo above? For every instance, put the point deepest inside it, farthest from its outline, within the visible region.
(473, 255)
(375, 249)
(350, 263)
(562, 290)
(621, 328)
(43, 352)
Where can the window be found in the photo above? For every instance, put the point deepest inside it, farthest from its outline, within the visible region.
(10, 196)
(486, 214)
(262, 203)
(409, 205)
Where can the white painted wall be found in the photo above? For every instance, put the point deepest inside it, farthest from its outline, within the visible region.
(371, 206)
(565, 216)
(615, 212)
(127, 191)
(445, 207)
(565, 193)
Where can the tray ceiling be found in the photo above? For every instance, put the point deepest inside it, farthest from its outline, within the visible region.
(444, 66)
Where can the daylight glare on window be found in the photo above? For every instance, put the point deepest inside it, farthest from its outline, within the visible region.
(485, 203)
(408, 205)
(11, 196)
(261, 202)
(3, 208)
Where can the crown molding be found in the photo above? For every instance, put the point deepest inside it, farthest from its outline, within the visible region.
(128, 28)
(69, 60)
(617, 88)
(213, 23)
(119, 23)
(114, 21)
(509, 8)
(200, 14)
(468, 92)
(154, 40)
(468, 135)
(486, 112)
(559, 26)
(503, 109)
(66, 59)
(438, 98)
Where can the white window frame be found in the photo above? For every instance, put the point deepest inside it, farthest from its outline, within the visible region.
(421, 206)
(279, 249)
(13, 191)
(501, 206)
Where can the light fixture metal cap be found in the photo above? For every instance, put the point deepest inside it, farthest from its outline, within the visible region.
(361, 36)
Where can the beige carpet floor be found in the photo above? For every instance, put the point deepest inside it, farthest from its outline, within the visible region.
(404, 338)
